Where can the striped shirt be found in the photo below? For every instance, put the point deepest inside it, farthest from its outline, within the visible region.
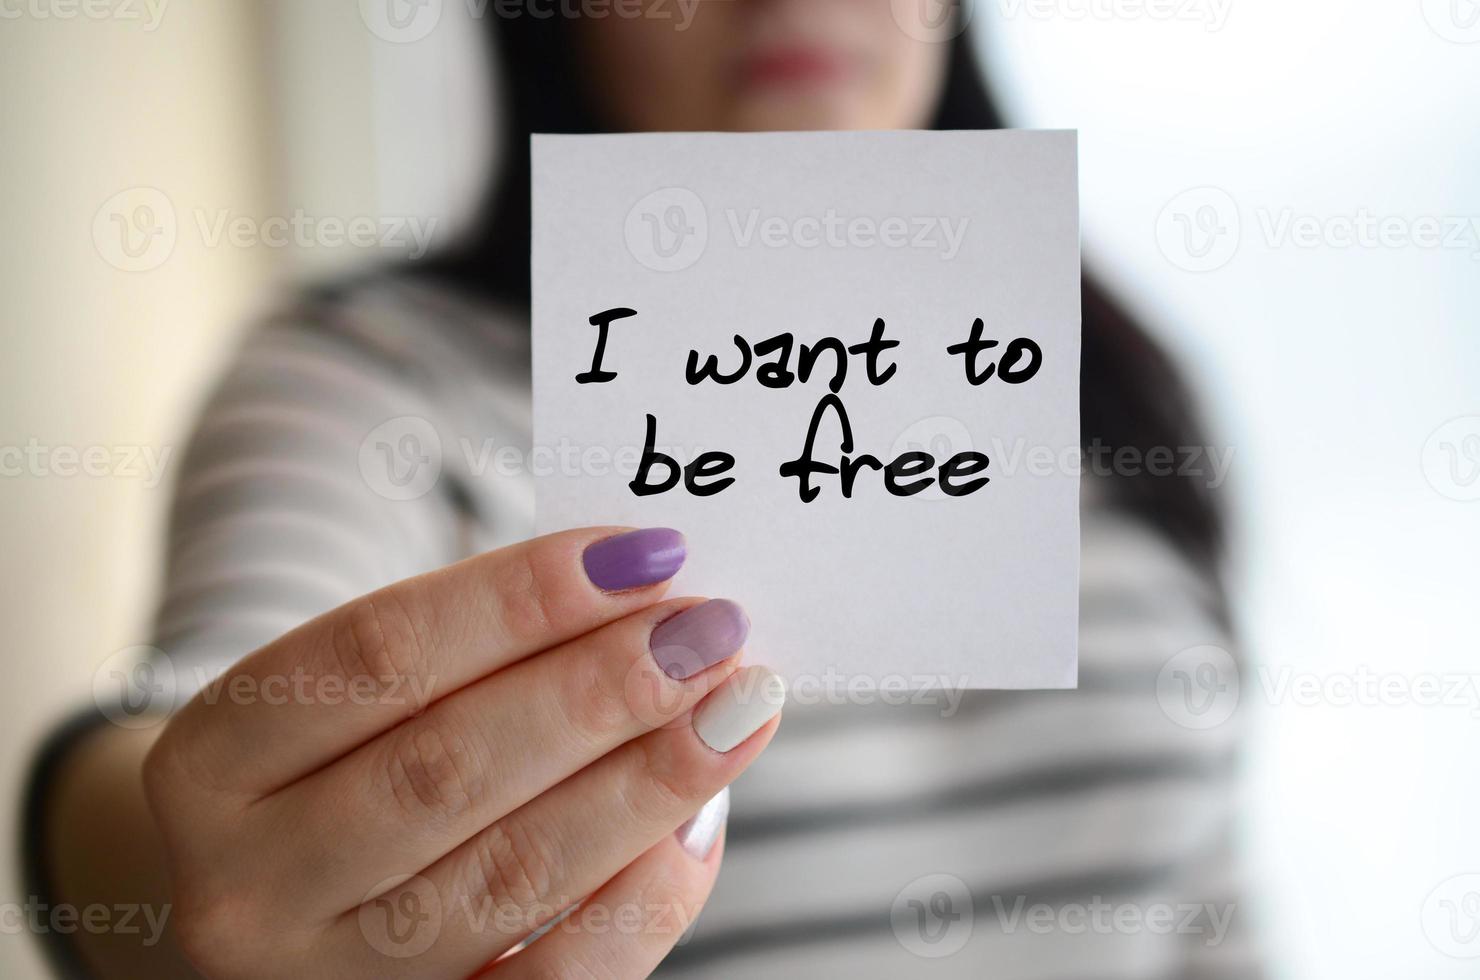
(1066, 834)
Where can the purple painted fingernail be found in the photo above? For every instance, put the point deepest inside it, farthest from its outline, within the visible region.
(699, 637)
(634, 559)
(699, 832)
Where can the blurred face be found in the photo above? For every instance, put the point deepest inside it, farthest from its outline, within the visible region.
(761, 65)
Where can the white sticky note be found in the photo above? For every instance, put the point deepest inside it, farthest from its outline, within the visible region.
(819, 235)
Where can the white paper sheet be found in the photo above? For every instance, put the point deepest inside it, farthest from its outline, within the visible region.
(707, 236)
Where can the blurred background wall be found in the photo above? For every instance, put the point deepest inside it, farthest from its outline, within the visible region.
(95, 355)
(1233, 153)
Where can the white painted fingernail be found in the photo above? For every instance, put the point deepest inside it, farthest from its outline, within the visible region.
(699, 832)
(734, 712)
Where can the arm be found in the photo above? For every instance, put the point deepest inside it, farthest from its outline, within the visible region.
(559, 755)
(274, 522)
(116, 860)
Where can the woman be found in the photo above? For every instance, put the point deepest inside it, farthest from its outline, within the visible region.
(495, 768)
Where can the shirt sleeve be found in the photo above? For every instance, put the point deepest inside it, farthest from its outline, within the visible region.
(313, 477)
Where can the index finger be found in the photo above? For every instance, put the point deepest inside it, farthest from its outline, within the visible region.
(337, 681)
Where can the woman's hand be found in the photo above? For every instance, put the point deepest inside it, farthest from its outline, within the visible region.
(412, 784)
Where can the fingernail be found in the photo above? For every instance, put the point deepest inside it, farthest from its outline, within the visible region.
(699, 637)
(699, 832)
(634, 558)
(738, 708)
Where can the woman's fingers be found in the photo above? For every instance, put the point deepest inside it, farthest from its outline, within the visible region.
(569, 841)
(339, 680)
(630, 924)
(425, 787)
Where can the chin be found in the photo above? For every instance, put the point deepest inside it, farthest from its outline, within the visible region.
(784, 111)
